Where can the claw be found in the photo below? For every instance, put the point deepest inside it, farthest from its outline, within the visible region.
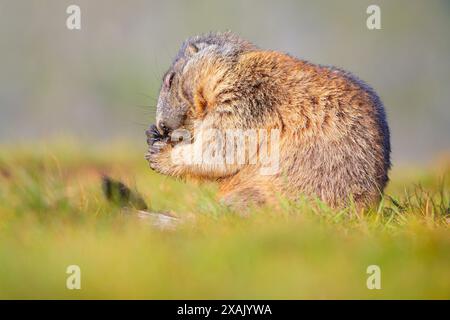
(152, 131)
(153, 135)
(156, 147)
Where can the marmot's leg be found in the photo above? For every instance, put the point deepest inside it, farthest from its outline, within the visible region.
(246, 189)
(243, 198)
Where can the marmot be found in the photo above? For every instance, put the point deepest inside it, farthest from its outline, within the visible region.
(333, 135)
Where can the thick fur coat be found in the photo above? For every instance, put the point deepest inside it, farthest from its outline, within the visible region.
(334, 138)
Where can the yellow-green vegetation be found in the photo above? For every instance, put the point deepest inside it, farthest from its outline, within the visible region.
(53, 214)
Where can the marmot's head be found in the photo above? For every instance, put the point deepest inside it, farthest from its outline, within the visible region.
(198, 71)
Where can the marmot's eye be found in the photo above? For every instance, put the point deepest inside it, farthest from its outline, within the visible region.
(168, 80)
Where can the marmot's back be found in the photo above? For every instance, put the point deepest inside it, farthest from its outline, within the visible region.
(341, 137)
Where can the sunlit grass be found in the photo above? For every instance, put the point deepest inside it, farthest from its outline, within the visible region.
(53, 214)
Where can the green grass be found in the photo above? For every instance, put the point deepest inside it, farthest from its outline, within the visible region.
(53, 214)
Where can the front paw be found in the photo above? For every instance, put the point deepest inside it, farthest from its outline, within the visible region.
(157, 147)
(154, 136)
(157, 154)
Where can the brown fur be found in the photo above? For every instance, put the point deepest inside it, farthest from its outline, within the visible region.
(334, 135)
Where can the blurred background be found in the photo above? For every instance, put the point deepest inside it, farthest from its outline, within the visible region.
(100, 84)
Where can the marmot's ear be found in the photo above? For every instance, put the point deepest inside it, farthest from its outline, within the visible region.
(191, 50)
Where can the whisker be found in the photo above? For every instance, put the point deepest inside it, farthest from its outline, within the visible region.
(144, 106)
(140, 124)
(146, 95)
(145, 109)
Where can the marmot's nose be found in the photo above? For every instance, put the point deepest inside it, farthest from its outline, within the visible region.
(163, 127)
